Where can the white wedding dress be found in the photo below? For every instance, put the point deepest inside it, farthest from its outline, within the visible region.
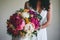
(41, 34)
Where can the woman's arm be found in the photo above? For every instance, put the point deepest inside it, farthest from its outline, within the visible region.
(49, 14)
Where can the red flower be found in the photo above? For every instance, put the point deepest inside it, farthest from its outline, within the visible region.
(35, 21)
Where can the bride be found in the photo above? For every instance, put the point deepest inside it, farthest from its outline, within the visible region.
(43, 8)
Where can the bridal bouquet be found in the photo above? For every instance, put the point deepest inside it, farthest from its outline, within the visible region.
(24, 22)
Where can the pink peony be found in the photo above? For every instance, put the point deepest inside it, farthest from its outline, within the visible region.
(21, 26)
(35, 21)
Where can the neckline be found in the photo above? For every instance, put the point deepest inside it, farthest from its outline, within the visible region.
(40, 12)
(37, 11)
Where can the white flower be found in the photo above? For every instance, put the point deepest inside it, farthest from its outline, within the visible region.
(25, 15)
(29, 27)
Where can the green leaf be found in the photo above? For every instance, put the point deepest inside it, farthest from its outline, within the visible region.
(39, 16)
(35, 33)
(21, 10)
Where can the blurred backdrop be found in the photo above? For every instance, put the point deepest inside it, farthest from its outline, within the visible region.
(8, 7)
